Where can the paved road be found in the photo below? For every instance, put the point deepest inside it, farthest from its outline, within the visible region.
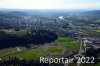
(81, 49)
(81, 45)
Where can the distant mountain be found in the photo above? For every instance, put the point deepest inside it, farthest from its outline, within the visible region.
(17, 13)
(12, 14)
(9, 19)
(92, 13)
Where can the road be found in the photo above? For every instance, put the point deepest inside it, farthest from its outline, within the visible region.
(81, 51)
(81, 43)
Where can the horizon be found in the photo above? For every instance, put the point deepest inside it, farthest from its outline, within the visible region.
(51, 4)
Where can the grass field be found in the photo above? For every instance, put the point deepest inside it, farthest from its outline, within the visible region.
(55, 50)
(62, 43)
(7, 51)
(18, 33)
(34, 54)
(49, 50)
(10, 50)
(91, 30)
(68, 42)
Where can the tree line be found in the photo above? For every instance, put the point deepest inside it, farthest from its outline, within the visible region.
(31, 37)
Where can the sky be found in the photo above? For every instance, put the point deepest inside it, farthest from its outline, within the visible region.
(50, 4)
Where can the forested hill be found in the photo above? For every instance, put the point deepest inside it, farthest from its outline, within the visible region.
(17, 13)
(18, 38)
(92, 13)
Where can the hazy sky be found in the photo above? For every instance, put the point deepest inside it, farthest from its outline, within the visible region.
(50, 4)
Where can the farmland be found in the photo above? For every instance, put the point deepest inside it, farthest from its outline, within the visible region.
(55, 50)
(68, 42)
(64, 45)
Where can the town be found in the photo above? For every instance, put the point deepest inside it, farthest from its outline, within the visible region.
(26, 36)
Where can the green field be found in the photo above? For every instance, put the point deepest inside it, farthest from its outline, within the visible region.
(33, 54)
(68, 42)
(90, 30)
(22, 32)
(7, 51)
(55, 50)
(36, 53)
(62, 44)
(10, 50)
